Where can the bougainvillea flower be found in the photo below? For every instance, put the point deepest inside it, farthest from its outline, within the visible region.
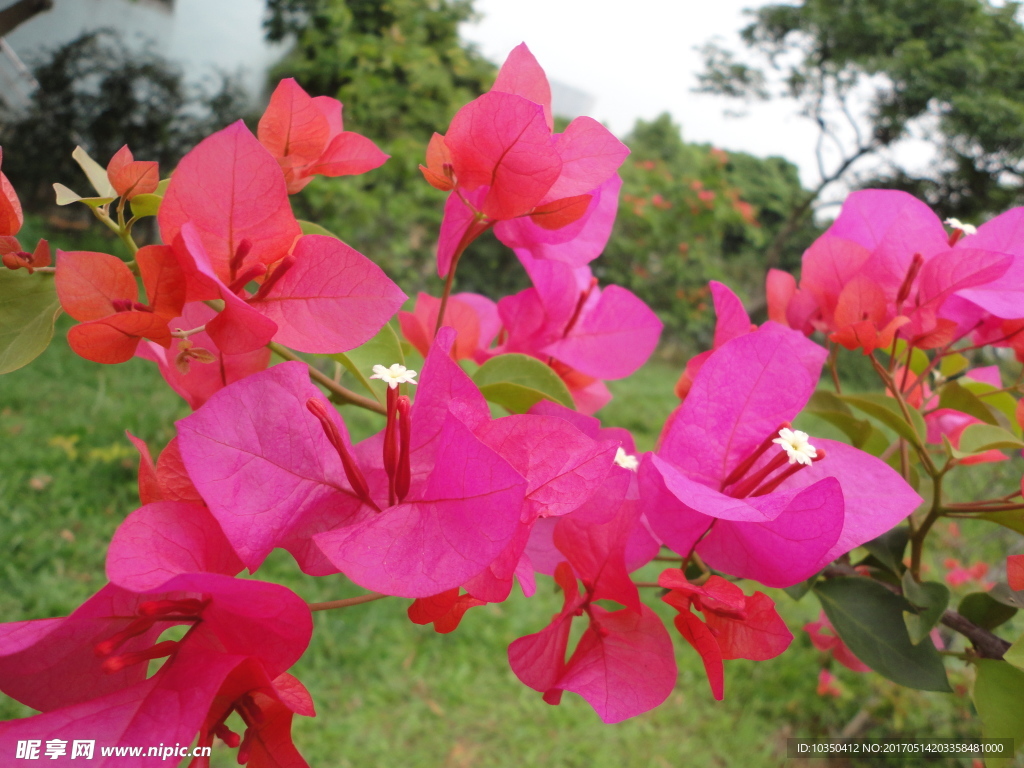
(232, 191)
(164, 479)
(720, 484)
(585, 333)
(886, 266)
(501, 161)
(100, 291)
(735, 625)
(11, 216)
(1015, 572)
(624, 664)
(130, 177)
(307, 493)
(196, 367)
(474, 318)
(87, 672)
(322, 297)
(827, 684)
(732, 321)
(306, 136)
(824, 638)
(15, 258)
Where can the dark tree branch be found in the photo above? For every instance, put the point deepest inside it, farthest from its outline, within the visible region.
(23, 10)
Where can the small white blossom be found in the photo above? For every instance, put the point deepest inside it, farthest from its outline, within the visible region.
(395, 375)
(967, 229)
(795, 444)
(625, 460)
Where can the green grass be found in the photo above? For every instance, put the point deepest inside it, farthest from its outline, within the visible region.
(388, 692)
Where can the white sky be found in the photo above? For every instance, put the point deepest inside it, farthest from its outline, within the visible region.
(638, 58)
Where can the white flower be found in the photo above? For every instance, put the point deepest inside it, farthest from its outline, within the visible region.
(395, 375)
(795, 444)
(967, 229)
(626, 461)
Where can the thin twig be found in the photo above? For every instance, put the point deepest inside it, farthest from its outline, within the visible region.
(343, 393)
(347, 602)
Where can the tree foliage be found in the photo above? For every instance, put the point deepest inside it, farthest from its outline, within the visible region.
(95, 92)
(952, 67)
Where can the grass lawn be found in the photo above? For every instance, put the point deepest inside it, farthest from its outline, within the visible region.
(389, 693)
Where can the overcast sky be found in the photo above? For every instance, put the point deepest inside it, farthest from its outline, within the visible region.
(638, 59)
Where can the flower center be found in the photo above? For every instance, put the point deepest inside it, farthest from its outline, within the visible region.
(797, 453)
(625, 460)
(186, 611)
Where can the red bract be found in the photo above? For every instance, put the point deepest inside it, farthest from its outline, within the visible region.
(624, 664)
(501, 161)
(100, 291)
(11, 217)
(886, 267)
(185, 365)
(130, 177)
(823, 636)
(305, 135)
(735, 626)
(232, 191)
(474, 318)
(1015, 572)
(170, 563)
(721, 483)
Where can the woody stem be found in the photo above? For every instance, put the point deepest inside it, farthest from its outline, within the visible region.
(347, 602)
(344, 394)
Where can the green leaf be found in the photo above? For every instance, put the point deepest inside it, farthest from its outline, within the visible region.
(797, 591)
(1003, 402)
(931, 598)
(516, 382)
(96, 173)
(984, 610)
(1002, 593)
(67, 196)
(311, 228)
(999, 698)
(145, 205)
(887, 411)
(953, 364)
(889, 548)
(383, 349)
(1012, 519)
(161, 188)
(1015, 655)
(959, 399)
(978, 438)
(28, 309)
(869, 619)
(823, 401)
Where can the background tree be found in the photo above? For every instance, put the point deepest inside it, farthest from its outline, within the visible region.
(868, 71)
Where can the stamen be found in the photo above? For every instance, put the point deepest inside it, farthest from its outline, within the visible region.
(127, 305)
(250, 273)
(286, 263)
(584, 295)
(404, 478)
(158, 651)
(115, 641)
(908, 281)
(244, 246)
(352, 471)
(743, 489)
(187, 608)
(226, 735)
(747, 463)
(391, 443)
(775, 482)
